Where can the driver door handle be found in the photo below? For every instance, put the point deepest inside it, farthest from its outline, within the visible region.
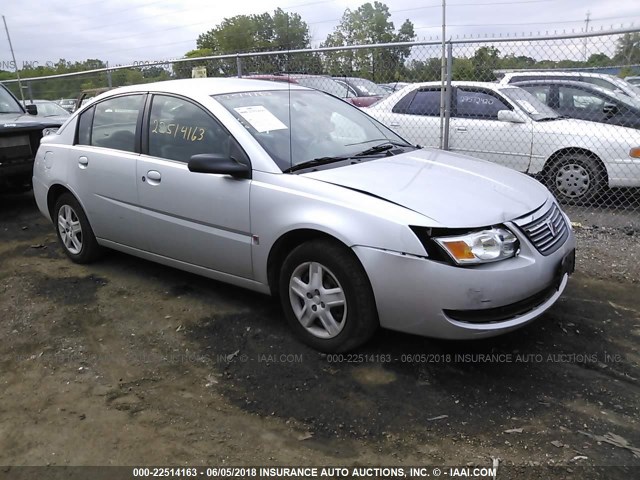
(461, 129)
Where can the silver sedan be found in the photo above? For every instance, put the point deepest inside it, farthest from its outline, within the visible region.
(291, 192)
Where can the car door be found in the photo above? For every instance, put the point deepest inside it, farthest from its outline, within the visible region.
(416, 117)
(104, 168)
(474, 129)
(201, 219)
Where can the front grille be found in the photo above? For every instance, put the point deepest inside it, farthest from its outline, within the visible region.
(15, 149)
(548, 232)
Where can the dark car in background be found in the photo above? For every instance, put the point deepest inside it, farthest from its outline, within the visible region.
(585, 101)
(20, 132)
(363, 91)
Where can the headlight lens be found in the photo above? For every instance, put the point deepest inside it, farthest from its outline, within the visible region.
(480, 247)
(49, 131)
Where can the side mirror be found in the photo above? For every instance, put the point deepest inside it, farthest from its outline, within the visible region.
(218, 164)
(32, 109)
(609, 108)
(510, 116)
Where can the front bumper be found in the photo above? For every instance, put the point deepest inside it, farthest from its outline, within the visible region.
(424, 297)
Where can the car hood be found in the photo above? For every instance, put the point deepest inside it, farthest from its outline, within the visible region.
(570, 127)
(453, 190)
(15, 121)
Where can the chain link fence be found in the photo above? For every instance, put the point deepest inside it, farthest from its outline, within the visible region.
(556, 108)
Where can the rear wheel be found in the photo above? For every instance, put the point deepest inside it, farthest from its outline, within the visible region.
(576, 179)
(326, 297)
(74, 232)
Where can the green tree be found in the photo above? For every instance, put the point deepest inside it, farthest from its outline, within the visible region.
(256, 33)
(368, 24)
(628, 49)
(485, 60)
(599, 60)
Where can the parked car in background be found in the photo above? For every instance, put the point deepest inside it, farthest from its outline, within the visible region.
(317, 82)
(363, 91)
(20, 132)
(585, 101)
(610, 82)
(47, 108)
(69, 104)
(509, 126)
(289, 191)
(633, 80)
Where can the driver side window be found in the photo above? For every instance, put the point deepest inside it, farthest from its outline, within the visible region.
(179, 129)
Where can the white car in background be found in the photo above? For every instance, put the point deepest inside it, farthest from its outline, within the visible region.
(509, 126)
(610, 82)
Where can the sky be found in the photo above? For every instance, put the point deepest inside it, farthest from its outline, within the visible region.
(128, 31)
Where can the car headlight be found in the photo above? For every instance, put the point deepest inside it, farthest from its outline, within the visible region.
(480, 247)
(49, 131)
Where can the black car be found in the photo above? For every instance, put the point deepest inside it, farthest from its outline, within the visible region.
(585, 101)
(20, 132)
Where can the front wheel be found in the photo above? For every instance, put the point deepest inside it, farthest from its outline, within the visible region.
(74, 232)
(326, 297)
(576, 179)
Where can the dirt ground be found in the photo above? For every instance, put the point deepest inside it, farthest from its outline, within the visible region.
(124, 362)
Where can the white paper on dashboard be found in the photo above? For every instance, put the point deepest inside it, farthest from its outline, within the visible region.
(528, 107)
(260, 118)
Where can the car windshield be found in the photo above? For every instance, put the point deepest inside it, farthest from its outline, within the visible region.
(297, 126)
(8, 104)
(529, 104)
(366, 88)
(50, 109)
(324, 84)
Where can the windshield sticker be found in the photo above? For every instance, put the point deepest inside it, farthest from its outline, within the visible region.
(528, 107)
(260, 118)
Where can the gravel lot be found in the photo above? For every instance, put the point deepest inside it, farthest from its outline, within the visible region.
(125, 362)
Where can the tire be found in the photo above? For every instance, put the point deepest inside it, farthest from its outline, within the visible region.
(352, 319)
(74, 232)
(576, 179)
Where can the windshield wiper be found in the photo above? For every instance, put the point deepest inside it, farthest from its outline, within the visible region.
(314, 163)
(548, 119)
(373, 151)
(383, 147)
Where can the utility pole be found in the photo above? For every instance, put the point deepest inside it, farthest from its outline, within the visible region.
(586, 30)
(15, 64)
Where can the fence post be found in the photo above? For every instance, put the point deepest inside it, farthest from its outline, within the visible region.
(239, 65)
(109, 84)
(447, 98)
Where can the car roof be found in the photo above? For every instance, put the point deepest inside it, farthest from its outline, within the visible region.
(457, 83)
(205, 86)
(561, 81)
(559, 74)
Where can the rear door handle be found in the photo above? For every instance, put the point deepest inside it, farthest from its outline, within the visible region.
(154, 177)
(392, 124)
(461, 129)
(83, 162)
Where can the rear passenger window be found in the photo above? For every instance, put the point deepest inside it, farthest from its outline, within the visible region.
(403, 105)
(421, 102)
(426, 102)
(114, 123)
(472, 104)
